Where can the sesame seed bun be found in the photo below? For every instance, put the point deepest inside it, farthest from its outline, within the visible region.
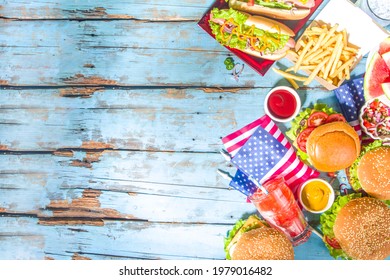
(333, 146)
(362, 228)
(263, 243)
(373, 172)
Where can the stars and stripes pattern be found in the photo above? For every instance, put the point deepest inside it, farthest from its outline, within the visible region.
(351, 99)
(242, 183)
(260, 150)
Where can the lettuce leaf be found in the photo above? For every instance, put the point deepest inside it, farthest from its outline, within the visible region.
(230, 237)
(328, 218)
(238, 17)
(271, 4)
(274, 4)
(240, 227)
(353, 178)
(300, 122)
(271, 41)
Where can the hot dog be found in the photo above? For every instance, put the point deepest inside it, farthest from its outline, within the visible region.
(279, 9)
(255, 35)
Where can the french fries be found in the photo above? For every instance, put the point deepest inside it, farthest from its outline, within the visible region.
(322, 51)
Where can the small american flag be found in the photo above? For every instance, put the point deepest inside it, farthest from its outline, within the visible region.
(351, 99)
(260, 150)
(243, 184)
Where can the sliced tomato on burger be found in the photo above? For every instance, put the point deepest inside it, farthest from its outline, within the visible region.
(317, 119)
(332, 242)
(302, 138)
(335, 118)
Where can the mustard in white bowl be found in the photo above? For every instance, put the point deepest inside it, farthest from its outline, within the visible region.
(316, 195)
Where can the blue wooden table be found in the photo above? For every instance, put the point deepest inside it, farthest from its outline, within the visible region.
(111, 119)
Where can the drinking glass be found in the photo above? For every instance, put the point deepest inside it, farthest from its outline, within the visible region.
(281, 211)
(378, 10)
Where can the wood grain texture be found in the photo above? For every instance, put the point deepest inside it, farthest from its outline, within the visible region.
(156, 10)
(121, 185)
(111, 118)
(123, 53)
(162, 119)
(123, 240)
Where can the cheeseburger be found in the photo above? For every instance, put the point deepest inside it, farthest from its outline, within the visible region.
(357, 227)
(371, 171)
(324, 139)
(253, 239)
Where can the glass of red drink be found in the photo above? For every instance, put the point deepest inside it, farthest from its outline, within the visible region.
(281, 211)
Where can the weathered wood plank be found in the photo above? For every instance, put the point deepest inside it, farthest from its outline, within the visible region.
(116, 240)
(188, 119)
(154, 10)
(64, 192)
(117, 53)
(107, 10)
(66, 211)
(24, 238)
(73, 221)
(164, 187)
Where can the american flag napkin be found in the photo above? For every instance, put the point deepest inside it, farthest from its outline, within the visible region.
(243, 184)
(351, 99)
(260, 150)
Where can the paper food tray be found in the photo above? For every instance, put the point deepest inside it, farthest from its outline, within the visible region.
(362, 31)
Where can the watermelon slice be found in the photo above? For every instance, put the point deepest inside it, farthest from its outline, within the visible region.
(386, 58)
(386, 89)
(377, 73)
(384, 46)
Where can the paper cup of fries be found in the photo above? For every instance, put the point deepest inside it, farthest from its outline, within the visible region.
(324, 53)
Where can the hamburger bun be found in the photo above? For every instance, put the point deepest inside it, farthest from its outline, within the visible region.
(263, 243)
(373, 172)
(333, 146)
(362, 228)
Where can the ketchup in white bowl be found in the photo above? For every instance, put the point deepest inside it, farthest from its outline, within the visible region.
(282, 104)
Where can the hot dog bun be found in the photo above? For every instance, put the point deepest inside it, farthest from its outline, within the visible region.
(293, 14)
(268, 24)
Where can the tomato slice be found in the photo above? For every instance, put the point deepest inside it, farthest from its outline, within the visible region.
(316, 119)
(374, 104)
(335, 118)
(332, 242)
(367, 124)
(302, 138)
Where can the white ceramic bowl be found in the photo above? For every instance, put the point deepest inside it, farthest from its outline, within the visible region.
(297, 99)
(385, 101)
(330, 200)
